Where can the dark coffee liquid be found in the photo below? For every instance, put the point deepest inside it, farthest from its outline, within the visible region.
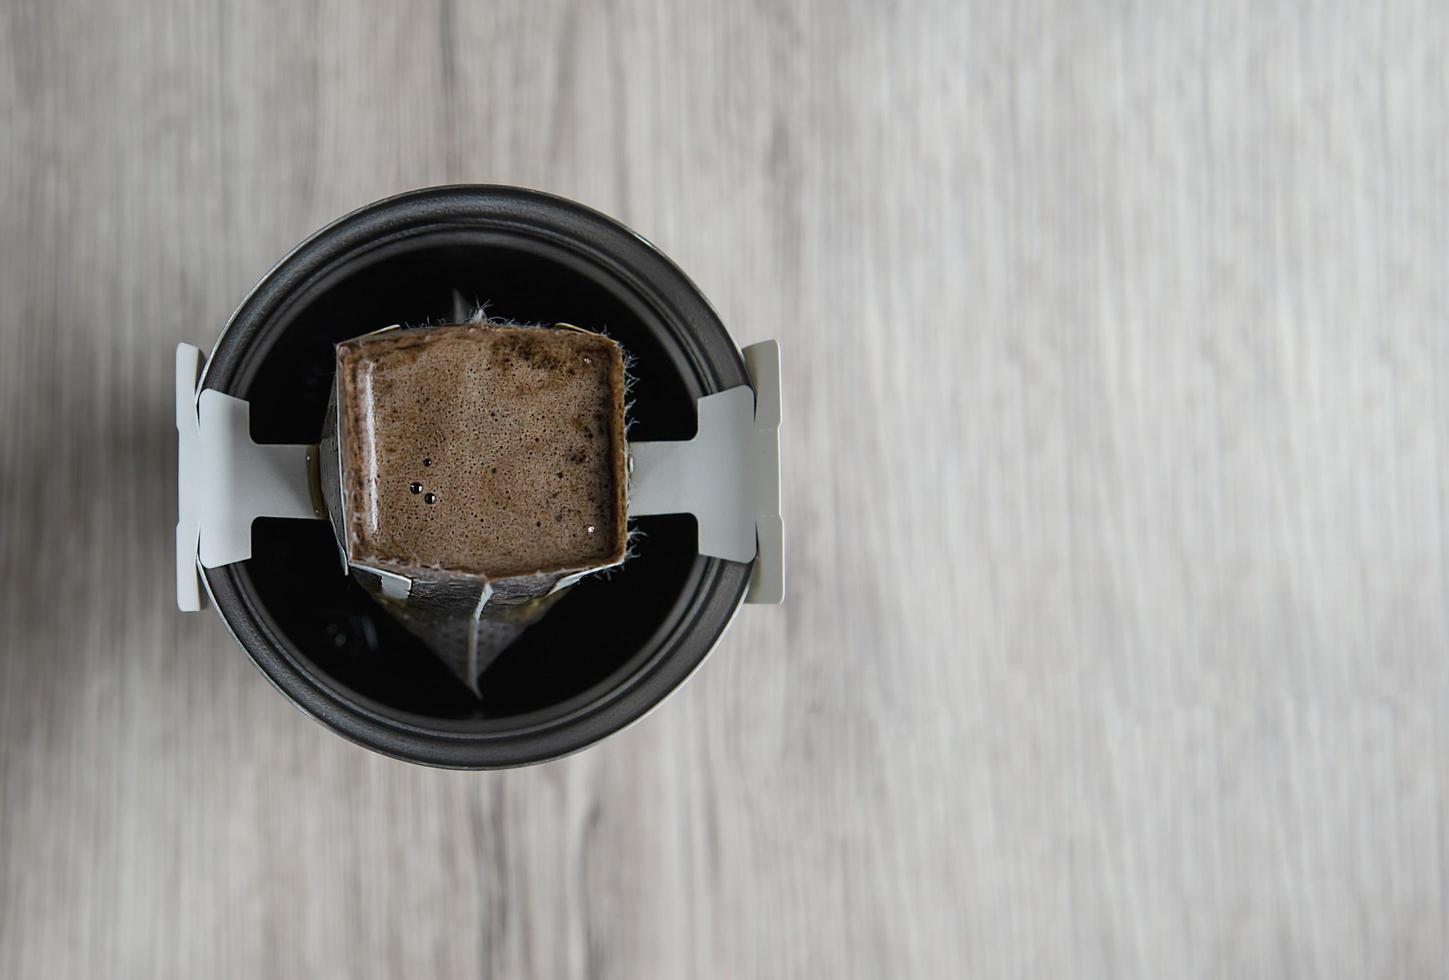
(480, 449)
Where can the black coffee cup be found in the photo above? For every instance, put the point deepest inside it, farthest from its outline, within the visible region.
(612, 648)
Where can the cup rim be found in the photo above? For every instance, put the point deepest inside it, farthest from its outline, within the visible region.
(701, 615)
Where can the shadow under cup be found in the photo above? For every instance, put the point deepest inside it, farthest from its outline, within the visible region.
(617, 643)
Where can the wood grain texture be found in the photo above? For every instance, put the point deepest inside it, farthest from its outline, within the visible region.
(1116, 482)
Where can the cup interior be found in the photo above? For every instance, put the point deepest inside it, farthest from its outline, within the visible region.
(599, 632)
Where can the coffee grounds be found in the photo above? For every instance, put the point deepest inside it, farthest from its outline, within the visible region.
(486, 450)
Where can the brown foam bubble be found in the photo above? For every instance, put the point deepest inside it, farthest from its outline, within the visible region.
(483, 449)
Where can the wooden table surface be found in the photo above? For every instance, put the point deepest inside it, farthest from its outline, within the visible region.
(1116, 450)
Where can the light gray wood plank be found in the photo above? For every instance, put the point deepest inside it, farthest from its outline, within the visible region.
(1115, 492)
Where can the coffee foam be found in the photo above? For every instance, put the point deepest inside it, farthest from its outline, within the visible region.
(482, 449)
